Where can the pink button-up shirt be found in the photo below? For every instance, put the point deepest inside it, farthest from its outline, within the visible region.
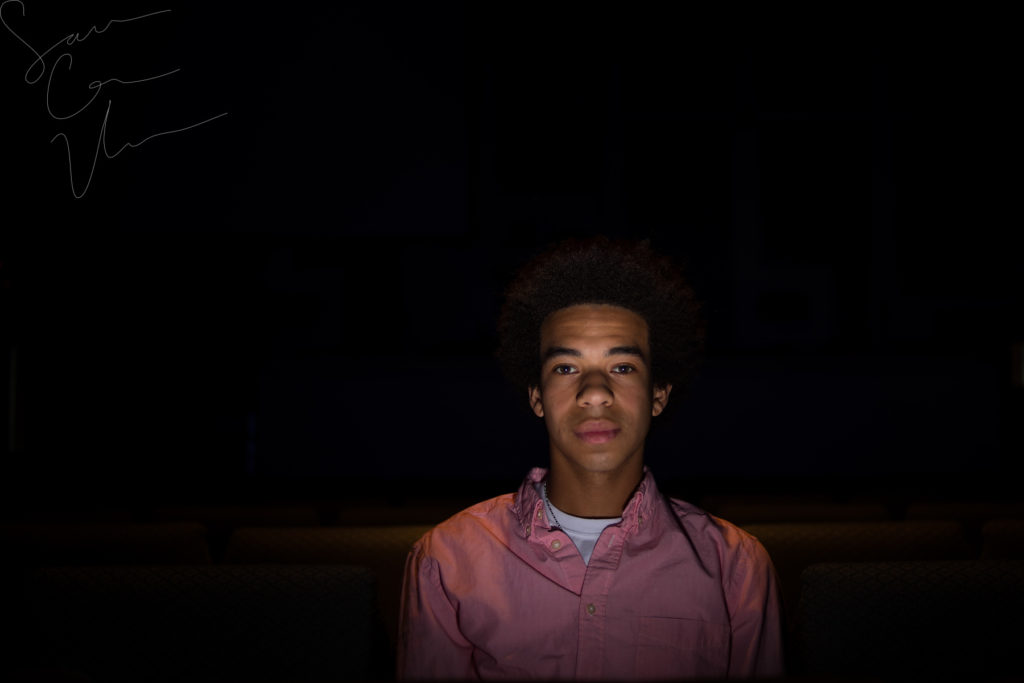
(670, 592)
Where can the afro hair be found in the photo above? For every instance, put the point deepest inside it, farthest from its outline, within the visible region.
(602, 271)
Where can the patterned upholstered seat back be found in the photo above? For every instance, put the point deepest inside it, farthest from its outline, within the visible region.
(381, 548)
(914, 620)
(209, 623)
(1003, 539)
(795, 546)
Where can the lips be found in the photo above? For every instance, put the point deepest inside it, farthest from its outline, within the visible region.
(596, 431)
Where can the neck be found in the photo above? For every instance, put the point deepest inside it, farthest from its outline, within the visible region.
(598, 495)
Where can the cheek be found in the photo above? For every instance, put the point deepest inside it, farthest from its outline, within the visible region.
(557, 395)
(556, 410)
(638, 398)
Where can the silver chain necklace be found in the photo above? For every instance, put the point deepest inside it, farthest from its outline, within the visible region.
(547, 503)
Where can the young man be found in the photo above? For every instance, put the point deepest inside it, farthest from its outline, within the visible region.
(588, 571)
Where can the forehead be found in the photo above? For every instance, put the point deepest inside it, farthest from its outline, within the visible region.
(594, 324)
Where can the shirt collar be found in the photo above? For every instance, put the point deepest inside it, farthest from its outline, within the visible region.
(528, 506)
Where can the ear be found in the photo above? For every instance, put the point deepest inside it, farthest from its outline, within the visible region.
(535, 402)
(660, 399)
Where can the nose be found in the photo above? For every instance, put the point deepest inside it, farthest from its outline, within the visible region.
(594, 391)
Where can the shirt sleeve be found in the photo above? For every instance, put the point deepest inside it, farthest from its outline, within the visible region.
(430, 645)
(754, 610)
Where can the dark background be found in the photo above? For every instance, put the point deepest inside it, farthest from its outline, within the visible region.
(300, 298)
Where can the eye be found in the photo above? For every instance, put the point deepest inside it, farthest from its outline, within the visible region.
(563, 369)
(623, 369)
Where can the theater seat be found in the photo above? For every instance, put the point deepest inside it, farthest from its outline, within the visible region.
(797, 545)
(754, 509)
(1003, 539)
(974, 513)
(381, 548)
(26, 546)
(203, 623)
(81, 544)
(952, 620)
(221, 520)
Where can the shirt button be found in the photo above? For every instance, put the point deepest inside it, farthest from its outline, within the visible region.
(556, 544)
(591, 609)
(540, 513)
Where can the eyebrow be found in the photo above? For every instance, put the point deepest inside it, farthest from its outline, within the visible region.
(553, 351)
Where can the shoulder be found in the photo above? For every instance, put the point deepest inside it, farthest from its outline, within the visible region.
(731, 543)
(473, 528)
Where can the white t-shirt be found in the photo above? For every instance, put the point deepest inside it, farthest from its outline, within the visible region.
(583, 531)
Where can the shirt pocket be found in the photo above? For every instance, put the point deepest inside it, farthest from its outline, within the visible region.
(670, 647)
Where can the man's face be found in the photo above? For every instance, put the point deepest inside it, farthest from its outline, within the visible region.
(595, 393)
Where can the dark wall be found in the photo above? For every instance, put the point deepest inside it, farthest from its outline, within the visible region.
(307, 286)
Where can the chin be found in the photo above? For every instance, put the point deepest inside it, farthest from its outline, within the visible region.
(602, 463)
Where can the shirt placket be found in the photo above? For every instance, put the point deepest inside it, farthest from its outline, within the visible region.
(568, 569)
(593, 611)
